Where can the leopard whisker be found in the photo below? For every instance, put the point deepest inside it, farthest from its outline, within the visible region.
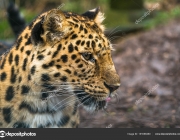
(82, 99)
(117, 98)
(114, 37)
(58, 92)
(56, 83)
(112, 31)
(116, 31)
(105, 111)
(69, 101)
(62, 101)
(66, 104)
(114, 44)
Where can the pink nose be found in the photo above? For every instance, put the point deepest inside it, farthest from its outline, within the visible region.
(108, 99)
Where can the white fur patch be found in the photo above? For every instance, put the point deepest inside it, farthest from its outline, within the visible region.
(93, 10)
(99, 19)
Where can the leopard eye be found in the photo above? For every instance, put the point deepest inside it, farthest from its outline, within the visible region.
(88, 57)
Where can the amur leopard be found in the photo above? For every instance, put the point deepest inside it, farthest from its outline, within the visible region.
(60, 61)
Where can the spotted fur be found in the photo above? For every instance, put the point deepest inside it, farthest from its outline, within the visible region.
(60, 61)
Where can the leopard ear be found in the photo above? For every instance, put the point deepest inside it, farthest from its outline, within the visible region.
(50, 28)
(54, 25)
(96, 15)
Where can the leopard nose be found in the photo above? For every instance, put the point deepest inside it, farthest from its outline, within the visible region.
(112, 87)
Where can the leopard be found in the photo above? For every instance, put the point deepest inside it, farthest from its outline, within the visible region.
(60, 61)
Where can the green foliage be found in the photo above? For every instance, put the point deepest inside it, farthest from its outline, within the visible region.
(114, 17)
(5, 30)
(29, 15)
(162, 17)
(73, 6)
(124, 5)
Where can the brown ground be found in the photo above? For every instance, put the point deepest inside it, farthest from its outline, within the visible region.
(144, 61)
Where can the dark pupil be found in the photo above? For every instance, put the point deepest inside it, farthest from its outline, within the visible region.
(87, 56)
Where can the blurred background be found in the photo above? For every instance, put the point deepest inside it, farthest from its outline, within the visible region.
(146, 37)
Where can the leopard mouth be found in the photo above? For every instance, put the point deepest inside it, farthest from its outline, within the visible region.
(91, 103)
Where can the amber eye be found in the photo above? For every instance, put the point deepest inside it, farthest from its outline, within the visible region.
(88, 57)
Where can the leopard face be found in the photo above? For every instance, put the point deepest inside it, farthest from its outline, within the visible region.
(61, 53)
(81, 56)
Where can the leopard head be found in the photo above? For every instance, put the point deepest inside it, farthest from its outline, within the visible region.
(72, 49)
